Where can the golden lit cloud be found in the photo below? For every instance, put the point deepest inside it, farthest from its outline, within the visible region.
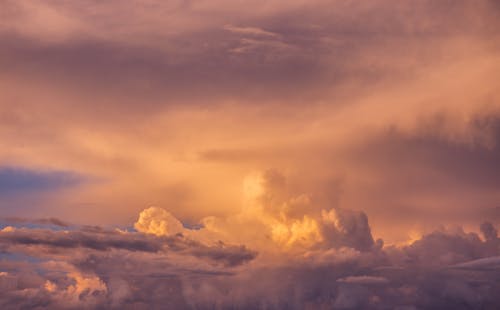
(157, 221)
(327, 148)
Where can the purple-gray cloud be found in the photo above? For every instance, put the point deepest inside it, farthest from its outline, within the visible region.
(107, 269)
(390, 107)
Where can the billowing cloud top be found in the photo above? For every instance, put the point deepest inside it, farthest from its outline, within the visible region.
(342, 154)
(277, 252)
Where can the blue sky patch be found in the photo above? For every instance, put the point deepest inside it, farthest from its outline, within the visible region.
(15, 180)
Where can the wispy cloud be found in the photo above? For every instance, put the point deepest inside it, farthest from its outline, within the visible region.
(250, 31)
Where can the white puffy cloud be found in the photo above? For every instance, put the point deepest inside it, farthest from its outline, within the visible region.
(159, 222)
(274, 216)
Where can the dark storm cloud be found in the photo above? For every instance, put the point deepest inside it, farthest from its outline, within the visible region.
(475, 163)
(230, 256)
(418, 166)
(107, 68)
(96, 238)
(312, 47)
(74, 240)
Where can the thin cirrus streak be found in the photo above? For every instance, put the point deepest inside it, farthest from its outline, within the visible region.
(266, 155)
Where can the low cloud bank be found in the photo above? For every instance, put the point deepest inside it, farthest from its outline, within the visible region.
(281, 251)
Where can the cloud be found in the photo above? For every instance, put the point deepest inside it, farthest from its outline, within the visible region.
(347, 228)
(354, 106)
(185, 273)
(229, 255)
(273, 211)
(482, 263)
(42, 20)
(159, 222)
(42, 221)
(97, 239)
(363, 280)
(489, 231)
(101, 241)
(446, 248)
(252, 31)
(140, 89)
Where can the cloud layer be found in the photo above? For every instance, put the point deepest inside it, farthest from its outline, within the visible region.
(277, 253)
(172, 104)
(97, 268)
(277, 155)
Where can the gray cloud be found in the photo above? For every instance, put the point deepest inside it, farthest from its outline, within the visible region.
(42, 221)
(443, 269)
(98, 239)
(331, 90)
(320, 49)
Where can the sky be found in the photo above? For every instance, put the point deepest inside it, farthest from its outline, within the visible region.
(216, 154)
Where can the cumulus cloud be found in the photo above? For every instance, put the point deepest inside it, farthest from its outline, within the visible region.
(381, 119)
(276, 217)
(489, 231)
(339, 266)
(140, 270)
(449, 247)
(159, 222)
